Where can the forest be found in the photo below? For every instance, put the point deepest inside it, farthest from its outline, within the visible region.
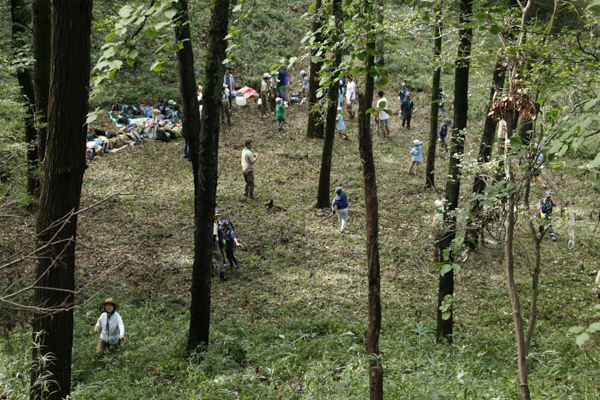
(309, 199)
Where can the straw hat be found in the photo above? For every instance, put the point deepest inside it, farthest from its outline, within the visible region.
(110, 301)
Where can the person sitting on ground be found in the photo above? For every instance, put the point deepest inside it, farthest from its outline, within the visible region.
(341, 203)
(407, 109)
(225, 110)
(417, 156)
(545, 212)
(111, 327)
(264, 90)
(382, 115)
(443, 132)
(437, 229)
(341, 127)
(231, 241)
(279, 114)
(537, 168)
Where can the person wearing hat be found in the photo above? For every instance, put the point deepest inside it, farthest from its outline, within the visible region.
(417, 156)
(273, 90)
(341, 127)
(407, 109)
(219, 247)
(304, 83)
(264, 90)
(350, 96)
(537, 168)
(382, 116)
(225, 106)
(402, 92)
(279, 113)
(248, 161)
(437, 229)
(228, 82)
(545, 212)
(443, 132)
(231, 241)
(441, 102)
(110, 325)
(341, 203)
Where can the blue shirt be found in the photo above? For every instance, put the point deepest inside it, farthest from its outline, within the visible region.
(417, 153)
(305, 82)
(546, 206)
(443, 131)
(402, 94)
(340, 122)
(407, 105)
(229, 237)
(340, 201)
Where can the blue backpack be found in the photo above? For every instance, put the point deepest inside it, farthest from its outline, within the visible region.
(148, 111)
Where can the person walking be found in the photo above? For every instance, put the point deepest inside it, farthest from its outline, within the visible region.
(437, 230)
(341, 203)
(407, 109)
(350, 96)
(248, 161)
(111, 327)
(417, 156)
(231, 241)
(279, 114)
(545, 212)
(341, 127)
(218, 248)
(228, 82)
(264, 90)
(443, 132)
(382, 116)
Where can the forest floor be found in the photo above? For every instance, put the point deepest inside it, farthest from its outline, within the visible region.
(290, 324)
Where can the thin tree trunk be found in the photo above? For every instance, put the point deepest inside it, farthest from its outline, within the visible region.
(41, 14)
(315, 127)
(534, 285)
(435, 91)
(325, 175)
(514, 297)
(20, 20)
(204, 161)
(372, 218)
(461, 110)
(60, 195)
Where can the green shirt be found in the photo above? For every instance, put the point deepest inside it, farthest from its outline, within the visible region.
(279, 111)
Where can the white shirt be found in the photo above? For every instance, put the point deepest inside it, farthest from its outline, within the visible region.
(383, 114)
(115, 328)
(350, 91)
(248, 160)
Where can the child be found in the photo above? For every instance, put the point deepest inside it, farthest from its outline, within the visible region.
(545, 212)
(341, 202)
(279, 114)
(443, 132)
(110, 324)
(417, 156)
(304, 82)
(341, 127)
(230, 242)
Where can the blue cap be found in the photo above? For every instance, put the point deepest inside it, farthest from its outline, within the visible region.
(338, 190)
(217, 212)
(223, 223)
(548, 193)
(448, 121)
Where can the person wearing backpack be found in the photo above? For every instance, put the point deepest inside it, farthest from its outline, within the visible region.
(285, 80)
(264, 90)
(545, 212)
(228, 82)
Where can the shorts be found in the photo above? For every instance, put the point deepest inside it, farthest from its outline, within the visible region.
(537, 172)
(383, 123)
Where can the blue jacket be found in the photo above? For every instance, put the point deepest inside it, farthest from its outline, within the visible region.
(408, 105)
(341, 202)
(443, 131)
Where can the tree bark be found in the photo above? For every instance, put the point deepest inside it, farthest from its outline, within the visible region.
(461, 110)
(204, 161)
(20, 20)
(435, 91)
(537, 239)
(315, 127)
(41, 14)
(60, 193)
(372, 218)
(325, 175)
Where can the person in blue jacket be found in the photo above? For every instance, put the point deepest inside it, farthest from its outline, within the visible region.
(417, 156)
(230, 242)
(443, 132)
(341, 203)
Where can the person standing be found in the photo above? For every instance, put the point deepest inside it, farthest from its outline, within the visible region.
(231, 241)
(248, 161)
(218, 248)
(228, 81)
(225, 106)
(437, 230)
(285, 80)
(407, 109)
(341, 127)
(341, 203)
(545, 212)
(443, 132)
(110, 325)
(441, 102)
(417, 156)
(304, 77)
(383, 117)
(264, 90)
(402, 92)
(279, 114)
(350, 96)
(273, 91)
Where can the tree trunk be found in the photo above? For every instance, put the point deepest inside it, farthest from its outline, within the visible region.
(60, 194)
(485, 154)
(537, 239)
(461, 110)
(315, 127)
(41, 14)
(372, 218)
(514, 297)
(20, 21)
(435, 90)
(325, 175)
(204, 161)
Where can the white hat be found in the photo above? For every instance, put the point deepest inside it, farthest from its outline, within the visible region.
(416, 142)
(339, 108)
(277, 100)
(403, 83)
(274, 72)
(266, 75)
(408, 93)
(303, 72)
(439, 205)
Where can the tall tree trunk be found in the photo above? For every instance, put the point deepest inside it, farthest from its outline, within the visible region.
(485, 154)
(315, 127)
(41, 14)
(535, 278)
(61, 190)
(325, 175)
(461, 111)
(204, 161)
(435, 91)
(20, 20)
(380, 33)
(372, 218)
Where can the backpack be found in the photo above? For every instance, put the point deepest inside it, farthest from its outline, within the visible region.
(148, 111)
(283, 76)
(106, 146)
(123, 120)
(90, 154)
(116, 107)
(162, 136)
